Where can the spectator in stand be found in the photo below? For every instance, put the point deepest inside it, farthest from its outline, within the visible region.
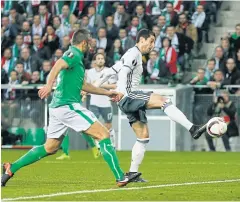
(217, 80)
(103, 41)
(153, 55)
(65, 43)
(45, 16)
(181, 43)
(31, 63)
(108, 61)
(8, 61)
(219, 58)
(200, 79)
(210, 69)
(112, 29)
(50, 39)
(235, 39)
(12, 94)
(126, 41)
(144, 20)
(60, 29)
(121, 18)
(8, 29)
(16, 18)
(186, 28)
(198, 19)
(39, 50)
(95, 20)
(167, 62)
(33, 93)
(238, 60)
(5, 41)
(67, 18)
(116, 51)
(22, 75)
(18, 46)
(171, 16)
(58, 54)
(46, 68)
(227, 52)
(75, 27)
(161, 23)
(134, 28)
(26, 33)
(36, 26)
(84, 23)
(158, 41)
(232, 74)
(4, 78)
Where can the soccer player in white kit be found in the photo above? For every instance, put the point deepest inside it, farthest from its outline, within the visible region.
(134, 102)
(100, 105)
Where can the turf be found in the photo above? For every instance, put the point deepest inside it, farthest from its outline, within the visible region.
(82, 172)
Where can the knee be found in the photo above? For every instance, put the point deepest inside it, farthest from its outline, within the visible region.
(103, 134)
(51, 149)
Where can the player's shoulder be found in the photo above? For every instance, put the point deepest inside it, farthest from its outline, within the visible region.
(132, 52)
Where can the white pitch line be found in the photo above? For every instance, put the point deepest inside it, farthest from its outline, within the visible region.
(118, 189)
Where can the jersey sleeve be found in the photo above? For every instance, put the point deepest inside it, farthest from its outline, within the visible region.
(70, 58)
(130, 59)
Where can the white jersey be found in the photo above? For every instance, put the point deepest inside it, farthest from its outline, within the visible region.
(98, 100)
(132, 59)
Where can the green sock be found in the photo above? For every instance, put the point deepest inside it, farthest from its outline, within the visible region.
(65, 145)
(89, 140)
(110, 157)
(35, 154)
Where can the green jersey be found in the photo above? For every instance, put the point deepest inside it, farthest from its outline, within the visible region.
(70, 80)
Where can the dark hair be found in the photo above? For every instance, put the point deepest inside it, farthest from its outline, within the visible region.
(14, 71)
(237, 25)
(145, 33)
(56, 16)
(134, 16)
(19, 63)
(218, 70)
(212, 60)
(121, 5)
(79, 36)
(102, 28)
(169, 40)
(169, 26)
(95, 56)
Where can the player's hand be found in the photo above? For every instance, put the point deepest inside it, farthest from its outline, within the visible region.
(44, 92)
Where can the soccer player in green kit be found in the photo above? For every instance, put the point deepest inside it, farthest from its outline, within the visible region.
(65, 111)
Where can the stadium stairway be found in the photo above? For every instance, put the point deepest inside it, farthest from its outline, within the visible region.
(227, 19)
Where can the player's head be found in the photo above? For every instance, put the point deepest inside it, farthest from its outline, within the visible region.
(81, 39)
(100, 59)
(145, 40)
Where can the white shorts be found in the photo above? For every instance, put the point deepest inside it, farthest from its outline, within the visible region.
(73, 116)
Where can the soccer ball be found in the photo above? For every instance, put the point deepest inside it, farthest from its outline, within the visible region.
(216, 127)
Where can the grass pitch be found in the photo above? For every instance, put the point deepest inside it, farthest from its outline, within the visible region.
(82, 172)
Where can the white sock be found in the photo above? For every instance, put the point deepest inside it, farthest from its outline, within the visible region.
(138, 151)
(113, 137)
(176, 115)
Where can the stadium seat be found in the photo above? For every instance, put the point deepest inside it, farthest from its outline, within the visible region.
(35, 136)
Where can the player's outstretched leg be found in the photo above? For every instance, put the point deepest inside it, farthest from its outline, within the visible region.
(35, 154)
(65, 148)
(95, 151)
(139, 148)
(100, 133)
(159, 102)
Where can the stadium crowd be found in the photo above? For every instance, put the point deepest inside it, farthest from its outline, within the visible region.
(36, 33)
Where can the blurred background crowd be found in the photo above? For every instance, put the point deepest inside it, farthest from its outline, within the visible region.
(34, 34)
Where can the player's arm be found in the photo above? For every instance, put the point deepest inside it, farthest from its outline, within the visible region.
(87, 87)
(109, 86)
(112, 71)
(46, 90)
